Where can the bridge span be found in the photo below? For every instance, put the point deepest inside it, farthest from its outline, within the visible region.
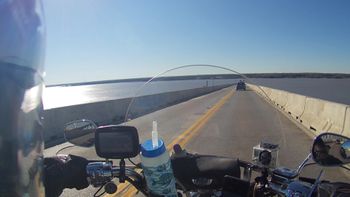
(227, 123)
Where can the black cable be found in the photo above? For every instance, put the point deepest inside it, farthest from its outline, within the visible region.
(137, 185)
(132, 162)
(69, 146)
(95, 195)
(346, 168)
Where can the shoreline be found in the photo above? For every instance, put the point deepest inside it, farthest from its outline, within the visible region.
(223, 76)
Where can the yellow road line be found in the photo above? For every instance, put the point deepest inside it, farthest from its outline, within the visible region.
(182, 140)
(193, 130)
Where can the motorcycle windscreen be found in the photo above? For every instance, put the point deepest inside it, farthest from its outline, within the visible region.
(208, 110)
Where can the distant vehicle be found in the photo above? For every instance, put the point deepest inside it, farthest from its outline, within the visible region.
(241, 86)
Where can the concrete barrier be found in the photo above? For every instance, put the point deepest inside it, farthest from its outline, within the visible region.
(337, 113)
(100, 112)
(267, 91)
(315, 114)
(281, 99)
(310, 118)
(295, 105)
(257, 89)
(263, 91)
(274, 95)
(346, 130)
(320, 116)
(252, 87)
(113, 112)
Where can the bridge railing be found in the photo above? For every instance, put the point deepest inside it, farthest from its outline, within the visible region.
(113, 111)
(315, 114)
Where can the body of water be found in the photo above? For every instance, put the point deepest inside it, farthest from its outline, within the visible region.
(336, 90)
(61, 96)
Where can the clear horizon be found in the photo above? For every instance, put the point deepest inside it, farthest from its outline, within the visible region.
(91, 40)
(148, 77)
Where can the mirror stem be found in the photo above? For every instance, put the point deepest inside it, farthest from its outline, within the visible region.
(317, 181)
(301, 166)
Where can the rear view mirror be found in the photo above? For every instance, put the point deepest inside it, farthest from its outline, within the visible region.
(345, 149)
(117, 142)
(331, 149)
(80, 132)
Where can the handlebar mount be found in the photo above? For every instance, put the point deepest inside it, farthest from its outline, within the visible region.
(100, 173)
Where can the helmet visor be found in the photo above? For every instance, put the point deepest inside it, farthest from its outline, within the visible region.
(22, 33)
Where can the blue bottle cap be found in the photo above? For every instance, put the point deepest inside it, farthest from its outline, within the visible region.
(147, 149)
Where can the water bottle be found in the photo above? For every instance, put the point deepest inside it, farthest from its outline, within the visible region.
(157, 167)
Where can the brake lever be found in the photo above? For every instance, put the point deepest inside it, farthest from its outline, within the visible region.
(92, 161)
(308, 180)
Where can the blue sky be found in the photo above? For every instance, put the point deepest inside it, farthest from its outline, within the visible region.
(91, 40)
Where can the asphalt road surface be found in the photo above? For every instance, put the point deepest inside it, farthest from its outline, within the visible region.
(228, 123)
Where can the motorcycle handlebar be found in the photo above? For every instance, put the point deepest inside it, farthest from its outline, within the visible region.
(99, 173)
